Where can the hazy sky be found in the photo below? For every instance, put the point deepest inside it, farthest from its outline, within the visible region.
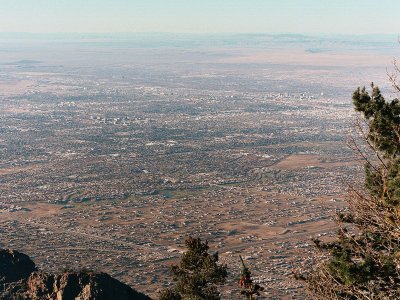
(297, 16)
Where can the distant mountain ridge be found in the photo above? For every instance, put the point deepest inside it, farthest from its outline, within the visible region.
(195, 40)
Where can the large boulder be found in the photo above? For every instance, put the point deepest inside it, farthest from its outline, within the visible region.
(14, 266)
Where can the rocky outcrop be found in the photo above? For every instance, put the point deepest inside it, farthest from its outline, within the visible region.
(20, 280)
(79, 286)
(14, 266)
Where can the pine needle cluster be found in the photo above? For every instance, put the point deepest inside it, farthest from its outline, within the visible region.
(363, 262)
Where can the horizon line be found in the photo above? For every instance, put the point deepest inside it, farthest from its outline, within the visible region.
(202, 33)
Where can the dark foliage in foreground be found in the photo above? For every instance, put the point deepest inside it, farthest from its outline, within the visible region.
(197, 275)
(363, 262)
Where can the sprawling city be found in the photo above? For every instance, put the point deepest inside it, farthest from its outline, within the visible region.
(114, 150)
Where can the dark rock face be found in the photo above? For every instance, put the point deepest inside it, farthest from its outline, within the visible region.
(40, 285)
(14, 266)
(80, 286)
(20, 280)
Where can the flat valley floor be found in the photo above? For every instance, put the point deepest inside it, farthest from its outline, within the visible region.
(112, 151)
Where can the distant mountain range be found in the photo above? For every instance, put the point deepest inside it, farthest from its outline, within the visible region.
(151, 40)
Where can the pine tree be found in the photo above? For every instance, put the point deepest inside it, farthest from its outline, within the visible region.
(364, 261)
(248, 288)
(197, 274)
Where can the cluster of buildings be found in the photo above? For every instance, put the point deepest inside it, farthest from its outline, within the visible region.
(114, 176)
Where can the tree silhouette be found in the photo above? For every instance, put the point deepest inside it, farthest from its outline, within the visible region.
(197, 274)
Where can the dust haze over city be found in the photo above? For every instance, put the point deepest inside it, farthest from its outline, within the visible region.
(115, 147)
